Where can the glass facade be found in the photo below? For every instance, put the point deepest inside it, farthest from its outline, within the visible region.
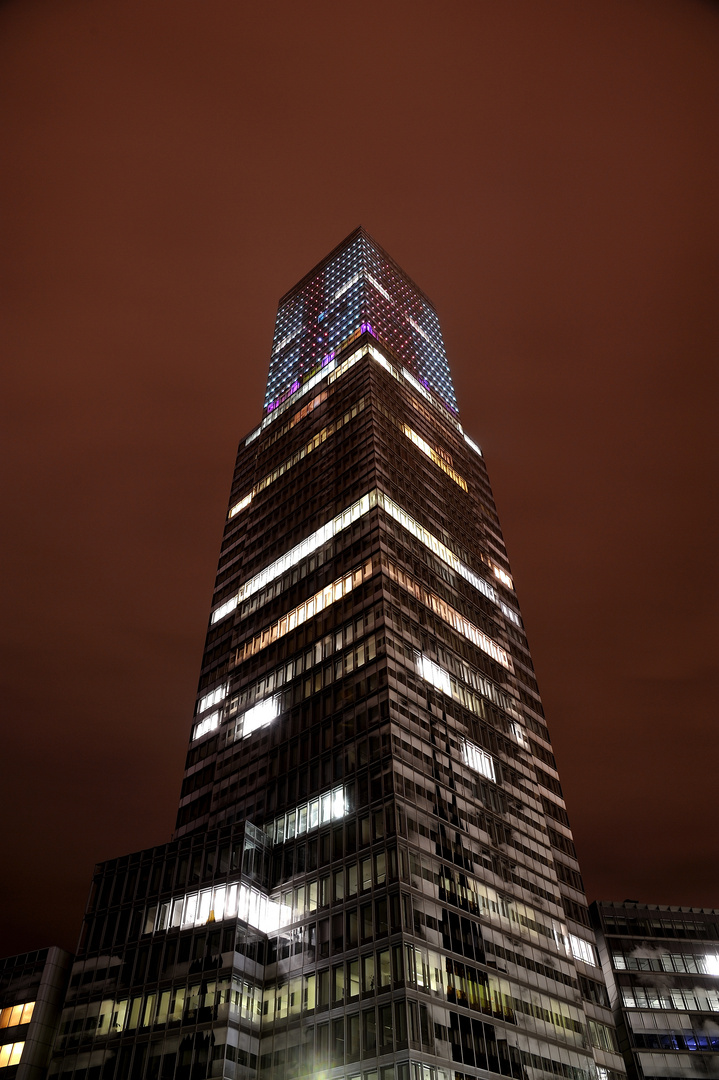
(662, 970)
(372, 873)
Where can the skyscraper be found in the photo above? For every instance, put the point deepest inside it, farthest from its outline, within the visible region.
(372, 873)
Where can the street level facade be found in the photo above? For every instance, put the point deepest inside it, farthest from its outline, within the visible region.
(372, 873)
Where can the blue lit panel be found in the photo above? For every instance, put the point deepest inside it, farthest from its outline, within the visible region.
(358, 287)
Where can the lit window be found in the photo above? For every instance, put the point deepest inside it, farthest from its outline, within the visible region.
(711, 963)
(213, 698)
(300, 551)
(434, 455)
(258, 716)
(16, 1014)
(231, 901)
(582, 950)
(10, 1054)
(305, 611)
(478, 760)
(503, 576)
(434, 674)
(339, 805)
(224, 609)
(419, 330)
(286, 340)
(210, 723)
(449, 615)
(241, 504)
(510, 614)
(347, 285)
(519, 735)
(377, 286)
(472, 443)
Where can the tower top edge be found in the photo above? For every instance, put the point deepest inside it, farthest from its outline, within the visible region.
(360, 230)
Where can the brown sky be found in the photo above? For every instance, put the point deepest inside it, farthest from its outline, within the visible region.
(548, 173)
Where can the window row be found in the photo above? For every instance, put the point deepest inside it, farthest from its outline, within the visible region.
(312, 657)
(676, 1040)
(449, 615)
(235, 900)
(211, 1000)
(444, 553)
(322, 599)
(459, 667)
(478, 898)
(16, 1014)
(317, 440)
(696, 999)
(296, 417)
(10, 1054)
(370, 1032)
(690, 963)
(330, 806)
(268, 709)
(433, 973)
(439, 457)
(238, 900)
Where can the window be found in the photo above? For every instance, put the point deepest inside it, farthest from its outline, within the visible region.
(331, 806)
(601, 1036)
(258, 716)
(353, 978)
(384, 977)
(213, 698)
(480, 762)
(209, 723)
(16, 1014)
(10, 1054)
(582, 950)
(711, 963)
(368, 973)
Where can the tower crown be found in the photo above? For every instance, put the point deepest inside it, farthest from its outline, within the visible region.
(357, 288)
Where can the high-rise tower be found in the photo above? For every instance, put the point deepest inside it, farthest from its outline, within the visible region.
(372, 873)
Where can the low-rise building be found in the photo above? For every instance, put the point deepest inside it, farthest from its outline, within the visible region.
(661, 967)
(32, 991)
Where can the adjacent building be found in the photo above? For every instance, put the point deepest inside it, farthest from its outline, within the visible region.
(372, 873)
(661, 965)
(32, 991)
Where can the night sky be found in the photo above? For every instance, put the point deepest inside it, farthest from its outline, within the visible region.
(548, 174)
